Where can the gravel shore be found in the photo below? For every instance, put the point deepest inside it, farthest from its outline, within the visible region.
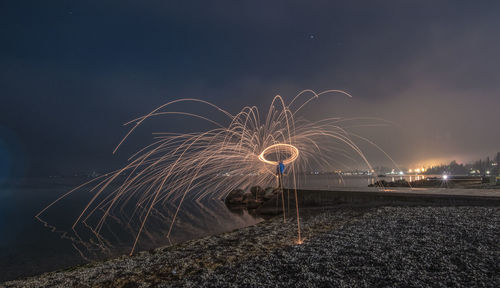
(343, 247)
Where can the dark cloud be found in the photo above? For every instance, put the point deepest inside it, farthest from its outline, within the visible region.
(72, 72)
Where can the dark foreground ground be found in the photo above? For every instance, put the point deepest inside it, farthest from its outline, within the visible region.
(343, 247)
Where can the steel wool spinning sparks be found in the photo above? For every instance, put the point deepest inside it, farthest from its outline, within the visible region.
(280, 148)
(236, 153)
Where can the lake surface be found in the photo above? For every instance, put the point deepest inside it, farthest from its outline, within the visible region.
(326, 181)
(27, 247)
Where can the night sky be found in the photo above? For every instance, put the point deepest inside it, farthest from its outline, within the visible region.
(72, 72)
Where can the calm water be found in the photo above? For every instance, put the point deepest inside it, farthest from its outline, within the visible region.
(28, 248)
(325, 181)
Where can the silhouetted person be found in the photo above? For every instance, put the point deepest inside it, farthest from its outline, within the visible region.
(280, 168)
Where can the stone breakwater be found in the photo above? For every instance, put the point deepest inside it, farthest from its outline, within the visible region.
(253, 199)
(343, 247)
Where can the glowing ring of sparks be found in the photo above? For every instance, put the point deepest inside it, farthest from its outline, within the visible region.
(279, 148)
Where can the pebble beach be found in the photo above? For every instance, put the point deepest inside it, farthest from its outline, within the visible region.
(387, 246)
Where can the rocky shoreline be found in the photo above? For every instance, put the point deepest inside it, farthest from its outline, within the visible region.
(250, 200)
(343, 247)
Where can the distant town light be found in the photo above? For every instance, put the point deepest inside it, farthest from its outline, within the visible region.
(445, 177)
(401, 173)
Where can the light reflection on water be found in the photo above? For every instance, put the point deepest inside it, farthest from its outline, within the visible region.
(322, 181)
(27, 247)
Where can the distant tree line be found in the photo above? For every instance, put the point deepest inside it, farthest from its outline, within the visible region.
(479, 167)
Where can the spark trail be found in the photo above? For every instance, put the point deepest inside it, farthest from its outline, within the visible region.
(179, 167)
